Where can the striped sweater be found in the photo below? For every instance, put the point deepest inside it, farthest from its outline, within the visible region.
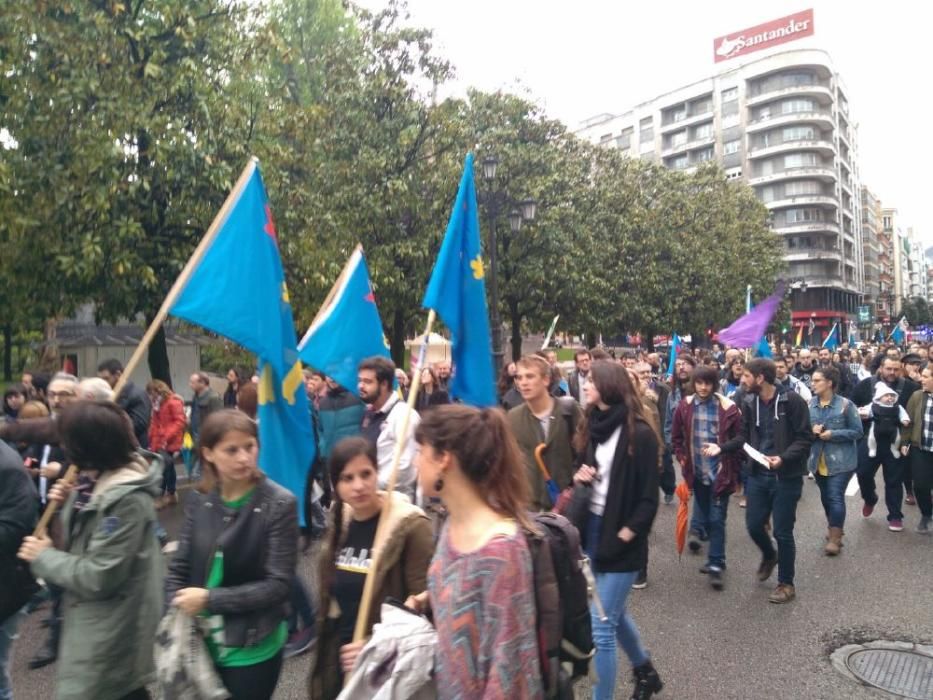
(484, 612)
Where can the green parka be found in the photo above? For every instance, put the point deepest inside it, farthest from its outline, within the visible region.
(111, 573)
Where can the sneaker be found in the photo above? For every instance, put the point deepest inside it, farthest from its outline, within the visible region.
(743, 503)
(910, 500)
(784, 593)
(810, 476)
(926, 526)
(867, 510)
(299, 642)
(715, 578)
(693, 542)
(896, 525)
(766, 568)
(641, 581)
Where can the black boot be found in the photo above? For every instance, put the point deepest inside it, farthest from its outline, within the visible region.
(49, 651)
(647, 682)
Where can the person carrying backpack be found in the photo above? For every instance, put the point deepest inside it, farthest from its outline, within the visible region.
(620, 472)
(481, 580)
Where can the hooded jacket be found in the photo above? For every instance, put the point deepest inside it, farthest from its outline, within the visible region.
(730, 424)
(792, 432)
(339, 415)
(402, 570)
(111, 571)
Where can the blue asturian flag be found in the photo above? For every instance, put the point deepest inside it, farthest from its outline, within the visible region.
(347, 329)
(672, 358)
(238, 290)
(457, 292)
(832, 340)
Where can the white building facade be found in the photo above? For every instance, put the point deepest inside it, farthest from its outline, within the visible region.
(782, 124)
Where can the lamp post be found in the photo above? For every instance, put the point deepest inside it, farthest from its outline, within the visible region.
(519, 212)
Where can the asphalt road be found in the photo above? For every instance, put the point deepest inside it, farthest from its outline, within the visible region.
(732, 644)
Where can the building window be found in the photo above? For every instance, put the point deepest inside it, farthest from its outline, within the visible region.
(802, 187)
(800, 216)
(703, 131)
(800, 160)
(679, 138)
(702, 106)
(733, 173)
(679, 163)
(798, 105)
(625, 139)
(679, 114)
(799, 133)
(703, 155)
(730, 94)
(731, 146)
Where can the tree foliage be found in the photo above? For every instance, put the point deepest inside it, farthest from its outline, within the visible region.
(124, 125)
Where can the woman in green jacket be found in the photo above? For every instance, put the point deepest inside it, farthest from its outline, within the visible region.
(110, 567)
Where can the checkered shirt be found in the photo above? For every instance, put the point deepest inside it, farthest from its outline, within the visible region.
(926, 435)
(705, 429)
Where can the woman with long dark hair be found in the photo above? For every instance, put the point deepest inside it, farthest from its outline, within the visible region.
(430, 393)
(620, 464)
(481, 581)
(236, 557)
(402, 561)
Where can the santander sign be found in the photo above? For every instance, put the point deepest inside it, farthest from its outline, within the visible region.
(764, 36)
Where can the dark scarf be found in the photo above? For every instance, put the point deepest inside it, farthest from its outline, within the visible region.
(602, 424)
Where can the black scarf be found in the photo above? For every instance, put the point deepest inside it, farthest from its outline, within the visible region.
(602, 424)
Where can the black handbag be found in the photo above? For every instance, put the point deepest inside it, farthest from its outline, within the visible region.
(19, 587)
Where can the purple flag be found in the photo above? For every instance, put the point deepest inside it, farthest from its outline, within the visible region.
(746, 331)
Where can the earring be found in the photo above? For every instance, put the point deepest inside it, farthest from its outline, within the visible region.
(438, 485)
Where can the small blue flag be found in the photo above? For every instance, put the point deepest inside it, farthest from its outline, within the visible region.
(832, 340)
(238, 291)
(347, 329)
(672, 358)
(457, 292)
(763, 349)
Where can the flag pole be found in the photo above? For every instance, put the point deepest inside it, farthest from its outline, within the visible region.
(185, 275)
(550, 332)
(362, 616)
(341, 278)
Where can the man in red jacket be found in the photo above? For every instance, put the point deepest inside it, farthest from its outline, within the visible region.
(701, 424)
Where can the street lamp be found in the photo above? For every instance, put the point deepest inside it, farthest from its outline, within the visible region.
(519, 212)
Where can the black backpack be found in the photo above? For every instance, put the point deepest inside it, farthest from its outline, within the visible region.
(885, 419)
(565, 633)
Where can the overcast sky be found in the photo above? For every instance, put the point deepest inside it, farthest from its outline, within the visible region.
(578, 59)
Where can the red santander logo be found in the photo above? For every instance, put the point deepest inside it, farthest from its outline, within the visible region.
(764, 36)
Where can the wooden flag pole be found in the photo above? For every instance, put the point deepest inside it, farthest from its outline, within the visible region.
(71, 474)
(185, 275)
(359, 631)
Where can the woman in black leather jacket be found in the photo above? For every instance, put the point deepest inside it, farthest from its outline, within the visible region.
(236, 557)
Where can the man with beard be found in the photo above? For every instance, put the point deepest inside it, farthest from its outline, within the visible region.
(382, 422)
(776, 422)
(804, 368)
(893, 468)
(845, 377)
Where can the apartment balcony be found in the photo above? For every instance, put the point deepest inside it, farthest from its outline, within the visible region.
(821, 200)
(821, 118)
(818, 172)
(820, 92)
(825, 148)
(689, 120)
(792, 255)
(689, 146)
(806, 227)
(673, 150)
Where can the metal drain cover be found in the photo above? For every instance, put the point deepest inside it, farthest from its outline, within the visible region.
(903, 669)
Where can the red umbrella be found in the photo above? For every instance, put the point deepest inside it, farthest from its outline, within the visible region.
(680, 532)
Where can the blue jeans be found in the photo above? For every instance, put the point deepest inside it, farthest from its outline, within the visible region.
(767, 496)
(709, 514)
(893, 471)
(618, 628)
(833, 496)
(7, 636)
